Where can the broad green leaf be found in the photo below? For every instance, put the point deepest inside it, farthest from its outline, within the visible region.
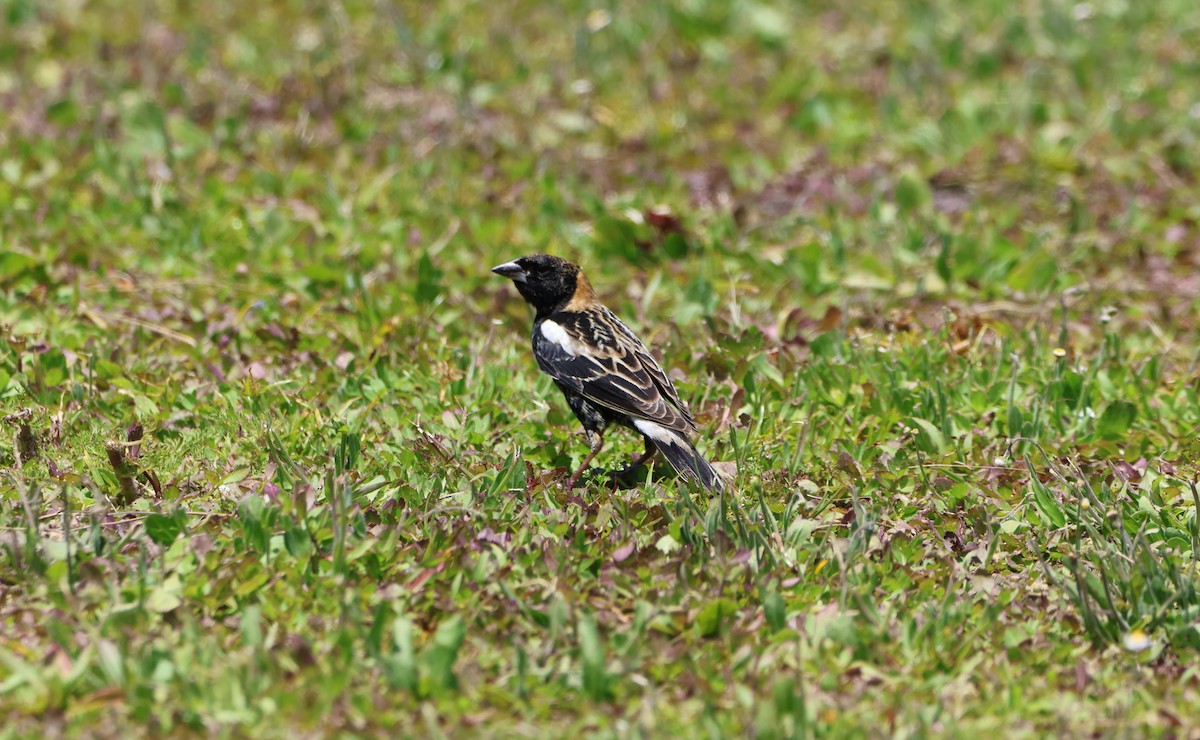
(166, 596)
(1047, 505)
(774, 610)
(591, 653)
(162, 529)
(712, 616)
(930, 438)
(1118, 416)
(428, 286)
(442, 652)
(402, 670)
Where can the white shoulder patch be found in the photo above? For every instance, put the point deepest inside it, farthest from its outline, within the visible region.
(556, 334)
(656, 432)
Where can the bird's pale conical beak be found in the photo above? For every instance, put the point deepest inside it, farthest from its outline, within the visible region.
(511, 270)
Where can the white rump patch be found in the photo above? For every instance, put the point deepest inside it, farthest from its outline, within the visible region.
(656, 432)
(556, 334)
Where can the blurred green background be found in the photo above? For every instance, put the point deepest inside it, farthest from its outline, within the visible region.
(283, 464)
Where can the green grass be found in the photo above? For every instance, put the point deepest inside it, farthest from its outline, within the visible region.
(926, 273)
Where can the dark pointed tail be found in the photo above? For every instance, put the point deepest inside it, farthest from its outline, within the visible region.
(687, 461)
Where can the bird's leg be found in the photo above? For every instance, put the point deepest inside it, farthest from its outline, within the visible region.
(596, 439)
(640, 460)
(648, 455)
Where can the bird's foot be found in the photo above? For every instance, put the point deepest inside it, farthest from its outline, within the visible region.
(580, 478)
(629, 476)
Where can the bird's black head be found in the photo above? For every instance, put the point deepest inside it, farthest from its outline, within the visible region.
(546, 282)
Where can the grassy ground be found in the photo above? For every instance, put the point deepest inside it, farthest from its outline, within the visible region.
(927, 273)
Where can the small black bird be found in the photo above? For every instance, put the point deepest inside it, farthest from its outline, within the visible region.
(606, 373)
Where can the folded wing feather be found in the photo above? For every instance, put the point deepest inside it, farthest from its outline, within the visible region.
(597, 356)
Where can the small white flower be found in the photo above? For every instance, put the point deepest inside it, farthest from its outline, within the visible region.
(598, 19)
(1136, 641)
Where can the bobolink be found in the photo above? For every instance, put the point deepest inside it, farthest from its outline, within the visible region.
(606, 373)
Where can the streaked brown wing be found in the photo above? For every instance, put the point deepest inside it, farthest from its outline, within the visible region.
(597, 356)
(652, 368)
